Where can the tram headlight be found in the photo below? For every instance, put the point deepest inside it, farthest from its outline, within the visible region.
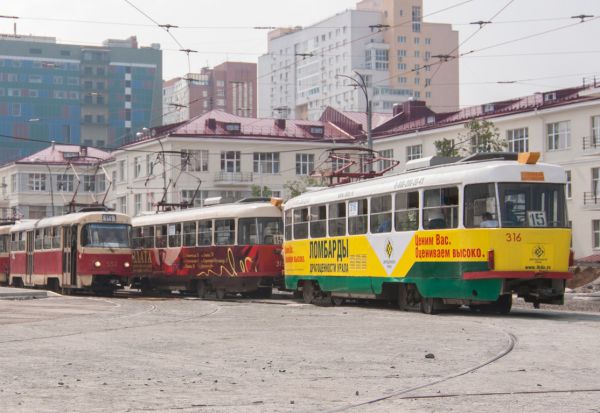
(97, 264)
(126, 264)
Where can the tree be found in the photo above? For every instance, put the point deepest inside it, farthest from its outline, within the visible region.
(265, 191)
(298, 187)
(480, 136)
(446, 147)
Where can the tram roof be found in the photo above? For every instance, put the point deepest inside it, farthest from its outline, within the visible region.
(233, 210)
(449, 174)
(76, 217)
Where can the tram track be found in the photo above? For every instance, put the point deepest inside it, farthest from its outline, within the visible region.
(511, 341)
(119, 328)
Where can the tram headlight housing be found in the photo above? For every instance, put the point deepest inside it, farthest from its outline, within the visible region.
(126, 264)
(97, 264)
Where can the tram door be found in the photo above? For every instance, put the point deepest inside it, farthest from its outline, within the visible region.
(69, 255)
(29, 257)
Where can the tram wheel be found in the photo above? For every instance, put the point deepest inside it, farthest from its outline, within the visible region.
(201, 289)
(308, 292)
(220, 293)
(504, 303)
(429, 305)
(402, 297)
(338, 301)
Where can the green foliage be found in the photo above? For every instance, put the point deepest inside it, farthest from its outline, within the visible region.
(256, 191)
(482, 136)
(446, 147)
(295, 188)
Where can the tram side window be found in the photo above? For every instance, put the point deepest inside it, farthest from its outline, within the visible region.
(247, 231)
(22, 237)
(189, 234)
(440, 208)
(4, 243)
(288, 224)
(39, 235)
(136, 238)
(480, 206)
(14, 241)
(147, 237)
(381, 214)
(300, 223)
(56, 237)
(357, 216)
(205, 235)
(161, 236)
(337, 219)
(270, 230)
(174, 231)
(407, 211)
(224, 231)
(48, 238)
(318, 221)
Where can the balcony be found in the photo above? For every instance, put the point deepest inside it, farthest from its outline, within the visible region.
(591, 145)
(233, 178)
(591, 200)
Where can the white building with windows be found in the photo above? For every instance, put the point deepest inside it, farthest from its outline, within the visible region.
(385, 41)
(43, 183)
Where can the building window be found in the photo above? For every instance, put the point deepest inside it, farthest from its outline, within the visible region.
(187, 194)
(36, 182)
(559, 135)
(194, 161)
(230, 161)
(518, 140)
(121, 171)
(416, 19)
(101, 183)
(137, 204)
(122, 204)
(89, 183)
(64, 183)
(568, 189)
(596, 181)
(595, 131)
(137, 167)
(414, 152)
(13, 183)
(305, 163)
(266, 162)
(386, 163)
(149, 165)
(596, 233)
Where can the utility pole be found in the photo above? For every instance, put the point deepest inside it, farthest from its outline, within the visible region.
(362, 84)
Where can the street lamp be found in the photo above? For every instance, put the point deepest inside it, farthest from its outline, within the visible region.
(362, 84)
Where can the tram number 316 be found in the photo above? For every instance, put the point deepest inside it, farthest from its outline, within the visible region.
(513, 237)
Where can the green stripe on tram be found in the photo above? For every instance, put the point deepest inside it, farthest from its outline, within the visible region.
(433, 279)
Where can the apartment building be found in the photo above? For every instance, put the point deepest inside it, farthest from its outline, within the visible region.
(385, 41)
(90, 95)
(230, 86)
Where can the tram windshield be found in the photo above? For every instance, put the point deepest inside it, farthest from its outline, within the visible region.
(532, 205)
(106, 235)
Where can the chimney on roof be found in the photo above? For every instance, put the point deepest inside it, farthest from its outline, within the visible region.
(415, 109)
(211, 123)
(396, 109)
(52, 145)
(280, 123)
(83, 151)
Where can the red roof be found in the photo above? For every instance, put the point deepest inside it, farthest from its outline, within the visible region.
(61, 153)
(226, 125)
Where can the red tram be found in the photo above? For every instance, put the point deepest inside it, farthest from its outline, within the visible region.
(227, 248)
(80, 251)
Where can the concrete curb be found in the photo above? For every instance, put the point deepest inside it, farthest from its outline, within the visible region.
(8, 293)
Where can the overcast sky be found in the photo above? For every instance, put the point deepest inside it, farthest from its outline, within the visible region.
(222, 30)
